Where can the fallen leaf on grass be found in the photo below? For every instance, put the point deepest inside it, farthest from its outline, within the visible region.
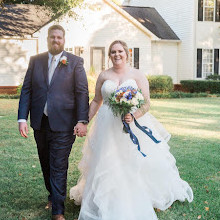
(19, 174)
(199, 217)
(157, 210)
(206, 202)
(184, 214)
(207, 209)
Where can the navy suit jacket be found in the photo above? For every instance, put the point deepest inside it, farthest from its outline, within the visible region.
(67, 95)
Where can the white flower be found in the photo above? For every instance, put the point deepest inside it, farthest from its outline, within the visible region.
(126, 94)
(139, 96)
(63, 60)
(134, 101)
(133, 109)
(123, 99)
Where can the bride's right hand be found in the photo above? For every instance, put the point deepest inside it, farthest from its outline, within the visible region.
(128, 118)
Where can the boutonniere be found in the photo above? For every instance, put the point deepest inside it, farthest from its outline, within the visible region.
(63, 60)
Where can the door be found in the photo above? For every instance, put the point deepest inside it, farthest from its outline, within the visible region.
(97, 59)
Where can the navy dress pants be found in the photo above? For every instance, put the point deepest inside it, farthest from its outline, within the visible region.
(53, 150)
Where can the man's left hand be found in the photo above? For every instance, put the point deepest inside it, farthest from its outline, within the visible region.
(80, 129)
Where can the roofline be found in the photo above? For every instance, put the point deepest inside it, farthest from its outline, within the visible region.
(167, 41)
(22, 37)
(132, 20)
(53, 19)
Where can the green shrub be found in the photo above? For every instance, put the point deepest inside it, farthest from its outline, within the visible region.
(213, 77)
(19, 89)
(92, 71)
(179, 94)
(160, 84)
(91, 83)
(210, 86)
(9, 96)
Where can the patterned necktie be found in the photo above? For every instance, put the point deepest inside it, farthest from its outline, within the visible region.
(50, 75)
(51, 69)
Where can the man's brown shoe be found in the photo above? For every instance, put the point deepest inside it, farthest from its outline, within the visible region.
(58, 217)
(49, 205)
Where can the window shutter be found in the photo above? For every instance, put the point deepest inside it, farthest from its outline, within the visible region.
(217, 10)
(136, 58)
(199, 63)
(200, 10)
(216, 61)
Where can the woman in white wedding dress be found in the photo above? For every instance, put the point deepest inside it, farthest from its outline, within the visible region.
(117, 181)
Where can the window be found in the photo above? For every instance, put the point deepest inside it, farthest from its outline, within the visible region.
(69, 49)
(207, 62)
(77, 51)
(134, 57)
(209, 10)
(130, 58)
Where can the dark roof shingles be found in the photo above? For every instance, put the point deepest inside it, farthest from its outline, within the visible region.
(151, 19)
(26, 19)
(22, 19)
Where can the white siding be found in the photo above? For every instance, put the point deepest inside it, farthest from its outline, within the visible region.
(180, 16)
(14, 58)
(208, 35)
(164, 59)
(98, 28)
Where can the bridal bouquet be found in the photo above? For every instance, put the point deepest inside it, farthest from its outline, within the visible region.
(125, 100)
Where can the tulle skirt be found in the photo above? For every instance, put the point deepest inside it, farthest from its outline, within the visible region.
(117, 182)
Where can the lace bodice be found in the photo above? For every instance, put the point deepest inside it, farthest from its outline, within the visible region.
(109, 86)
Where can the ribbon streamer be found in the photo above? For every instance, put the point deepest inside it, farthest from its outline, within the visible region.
(134, 139)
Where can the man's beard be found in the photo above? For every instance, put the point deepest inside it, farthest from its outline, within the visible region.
(57, 50)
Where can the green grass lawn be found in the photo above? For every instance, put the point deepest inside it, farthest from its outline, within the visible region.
(195, 127)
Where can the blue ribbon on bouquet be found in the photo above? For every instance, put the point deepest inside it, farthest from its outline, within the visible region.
(134, 139)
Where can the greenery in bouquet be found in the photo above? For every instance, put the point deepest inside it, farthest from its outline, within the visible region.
(125, 100)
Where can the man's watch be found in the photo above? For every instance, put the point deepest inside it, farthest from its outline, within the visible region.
(84, 122)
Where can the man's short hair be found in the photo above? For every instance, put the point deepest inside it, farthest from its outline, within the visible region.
(56, 27)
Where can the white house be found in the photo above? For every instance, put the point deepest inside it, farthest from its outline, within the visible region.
(197, 24)
(161, 38)
(17, 24)
(100, 23)
(103, 22)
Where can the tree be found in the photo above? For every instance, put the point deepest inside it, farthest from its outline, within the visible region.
(53, 7)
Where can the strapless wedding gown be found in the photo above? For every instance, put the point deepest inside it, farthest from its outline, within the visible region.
(117, 182)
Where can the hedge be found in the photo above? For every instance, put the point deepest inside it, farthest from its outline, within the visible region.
(213, 77)
(9, 96)
(168, 95)
(160, 84)
(179, 94)
(210, 86)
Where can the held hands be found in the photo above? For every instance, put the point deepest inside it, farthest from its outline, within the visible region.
(23, 129)
(128, 118)
(80, 129)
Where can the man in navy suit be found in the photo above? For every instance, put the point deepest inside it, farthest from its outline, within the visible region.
(55, 91)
